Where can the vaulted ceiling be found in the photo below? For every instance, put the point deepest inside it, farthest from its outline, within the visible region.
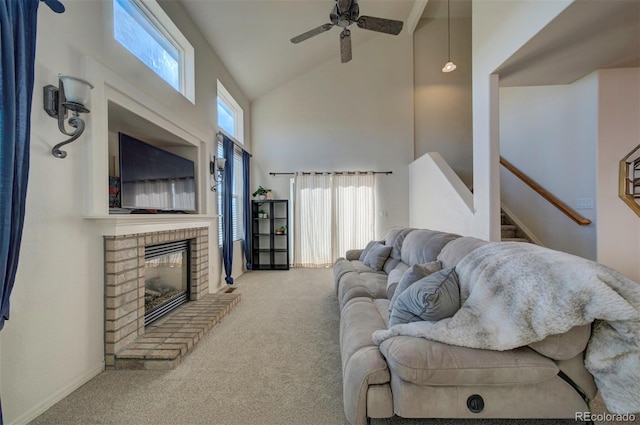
(251, 37)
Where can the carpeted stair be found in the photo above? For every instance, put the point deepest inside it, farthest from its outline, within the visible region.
(510, 232)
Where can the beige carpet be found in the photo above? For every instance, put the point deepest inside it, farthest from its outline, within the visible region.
(273, 360)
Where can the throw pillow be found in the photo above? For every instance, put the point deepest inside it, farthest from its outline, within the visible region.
(432, 298)
(367, 248)
(377, 255)
(412, 275)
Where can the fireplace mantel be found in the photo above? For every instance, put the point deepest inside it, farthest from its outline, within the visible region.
(129, 224)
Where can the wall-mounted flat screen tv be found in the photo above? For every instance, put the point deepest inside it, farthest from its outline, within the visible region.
(155, 179)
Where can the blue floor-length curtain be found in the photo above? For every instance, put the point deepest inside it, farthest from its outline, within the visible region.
(246, 200)
(227, 218)
(18, 22)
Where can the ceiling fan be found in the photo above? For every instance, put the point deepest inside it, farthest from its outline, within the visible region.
(345, 13)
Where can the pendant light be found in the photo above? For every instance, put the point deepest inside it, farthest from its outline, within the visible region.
(449, 66)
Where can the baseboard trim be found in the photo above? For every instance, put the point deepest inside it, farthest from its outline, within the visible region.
(40, 408)
(521, 225)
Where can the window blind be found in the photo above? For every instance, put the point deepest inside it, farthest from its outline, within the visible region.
(237, 196)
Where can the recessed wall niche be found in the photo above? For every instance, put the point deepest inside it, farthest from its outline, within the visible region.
(122, 120)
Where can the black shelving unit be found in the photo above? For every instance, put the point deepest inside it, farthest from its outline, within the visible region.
(269, 243)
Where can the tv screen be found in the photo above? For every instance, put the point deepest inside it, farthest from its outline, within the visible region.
(154, 179)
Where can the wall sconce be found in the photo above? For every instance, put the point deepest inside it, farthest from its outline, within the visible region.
(216, 169)
(449, 66)
(71, 94)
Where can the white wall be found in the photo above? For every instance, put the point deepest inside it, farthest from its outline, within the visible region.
(618, 134)
(439, 198)
(340, 117)
(499, 29)
(443, 100)
(550, 134)
(53, 342)
(209, 68)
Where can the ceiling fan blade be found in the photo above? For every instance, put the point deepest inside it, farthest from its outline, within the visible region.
(387, 26)
(345, 45)
(344, 5)
(312, 33)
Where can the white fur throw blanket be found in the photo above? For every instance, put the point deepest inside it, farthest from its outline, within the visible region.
(513, 294)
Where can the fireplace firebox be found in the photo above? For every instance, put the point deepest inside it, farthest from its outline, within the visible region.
(166, 277)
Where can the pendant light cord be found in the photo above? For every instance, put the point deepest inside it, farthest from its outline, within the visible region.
(449, 27)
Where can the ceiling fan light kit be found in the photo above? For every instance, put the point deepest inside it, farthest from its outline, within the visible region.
(345, 13)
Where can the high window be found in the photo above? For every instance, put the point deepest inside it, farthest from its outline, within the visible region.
(230, 114)
(231, 121)
(144, 29)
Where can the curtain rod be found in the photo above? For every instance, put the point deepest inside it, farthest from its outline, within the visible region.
(234, 140)
(333, 172)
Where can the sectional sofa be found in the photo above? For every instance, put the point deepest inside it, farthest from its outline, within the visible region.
(413, 369)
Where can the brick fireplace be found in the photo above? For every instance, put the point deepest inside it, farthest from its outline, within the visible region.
(125, 282)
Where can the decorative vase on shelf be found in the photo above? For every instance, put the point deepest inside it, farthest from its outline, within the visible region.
(261, 197)
(269, 195)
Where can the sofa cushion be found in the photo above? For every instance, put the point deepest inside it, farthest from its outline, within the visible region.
(394, 238)
(343, 266)
(411, 276)
(457, 249)
(423, 246)
(394, 278)
(360, 267)
(366, 284)
(362, 363)
(353, 254)
(425, 362)
(383, 309)
(377, 256)
(359, 318)
(432, 298)
(367, 249)
(340, 267)
(564, 346)
(390, 264)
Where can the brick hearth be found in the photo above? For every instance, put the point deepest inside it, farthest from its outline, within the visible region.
(164, 344)
(168, 340)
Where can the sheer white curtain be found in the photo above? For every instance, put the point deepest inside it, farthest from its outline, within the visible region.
(353, 211)
(332, 213)
(312, 220)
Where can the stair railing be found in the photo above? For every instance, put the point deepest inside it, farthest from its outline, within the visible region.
(630, 179)
(564, 208)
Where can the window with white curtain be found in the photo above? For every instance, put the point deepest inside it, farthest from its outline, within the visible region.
(354, 211)
(237, 196)
(332, 213)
